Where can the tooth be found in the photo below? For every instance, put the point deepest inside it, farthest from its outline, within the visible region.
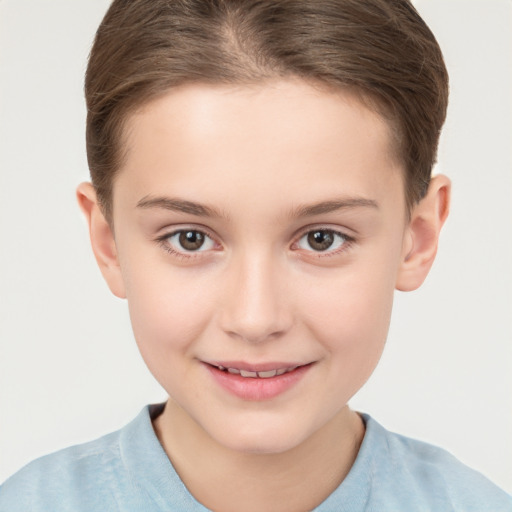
(245, 373)
(221, 367)
(234, 371)
(268, 374)
(281, 371)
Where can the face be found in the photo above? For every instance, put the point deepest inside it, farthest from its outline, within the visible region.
(259, 232)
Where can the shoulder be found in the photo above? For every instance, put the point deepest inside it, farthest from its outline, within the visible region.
(429, 475)
(52, 482)
(98, 475)
(127, 470)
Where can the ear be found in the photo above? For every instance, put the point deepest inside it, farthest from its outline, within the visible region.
(102, 239)
(422, 234)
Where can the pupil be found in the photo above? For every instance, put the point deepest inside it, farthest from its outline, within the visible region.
(191, 240)
(320, 240)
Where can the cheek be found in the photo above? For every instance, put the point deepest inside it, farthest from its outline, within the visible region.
(351, 312)
(168, 311)
(350, 316)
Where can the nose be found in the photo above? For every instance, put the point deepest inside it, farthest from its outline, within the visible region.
(256, 303)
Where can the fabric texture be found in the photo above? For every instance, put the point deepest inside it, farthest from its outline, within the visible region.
(128, 471)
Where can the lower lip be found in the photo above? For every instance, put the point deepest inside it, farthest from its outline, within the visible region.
(257, 389)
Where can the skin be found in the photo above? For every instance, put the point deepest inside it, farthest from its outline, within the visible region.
(257, 158)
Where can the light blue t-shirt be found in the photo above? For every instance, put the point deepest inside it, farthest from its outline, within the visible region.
(128, 471)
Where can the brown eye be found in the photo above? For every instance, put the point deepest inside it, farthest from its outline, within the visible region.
(189, 240)
(321, 240)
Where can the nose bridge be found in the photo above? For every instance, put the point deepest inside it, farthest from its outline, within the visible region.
(256, 305)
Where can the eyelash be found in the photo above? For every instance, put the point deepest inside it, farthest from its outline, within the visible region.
(347, 243)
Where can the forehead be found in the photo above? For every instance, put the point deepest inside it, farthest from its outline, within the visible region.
(256, 139)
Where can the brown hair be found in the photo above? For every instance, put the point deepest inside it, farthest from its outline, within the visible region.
(380, 48)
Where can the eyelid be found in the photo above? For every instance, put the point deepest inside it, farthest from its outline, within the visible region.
(168, 231)
(347, 233)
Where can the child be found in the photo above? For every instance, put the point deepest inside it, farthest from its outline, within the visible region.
(261, 185)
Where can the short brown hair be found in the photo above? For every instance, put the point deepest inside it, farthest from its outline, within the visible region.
(380, 48)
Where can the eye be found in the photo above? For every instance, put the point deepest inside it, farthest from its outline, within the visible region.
(322, 240)
(189, 240)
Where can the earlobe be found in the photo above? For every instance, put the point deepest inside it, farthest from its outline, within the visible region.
(422, 234)
(102, 239)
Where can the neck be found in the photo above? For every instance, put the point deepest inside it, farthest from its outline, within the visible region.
(295, 480)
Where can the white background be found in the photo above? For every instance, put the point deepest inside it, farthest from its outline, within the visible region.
(69, 368)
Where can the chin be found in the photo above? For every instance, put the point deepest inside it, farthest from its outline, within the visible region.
(256, 445)
(261, 437)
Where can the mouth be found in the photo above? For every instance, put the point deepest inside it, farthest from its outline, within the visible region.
(257, 382)
(255, 374)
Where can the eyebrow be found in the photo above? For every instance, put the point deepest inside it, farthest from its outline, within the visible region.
(178, 205)
(333, 205)
(201, 210)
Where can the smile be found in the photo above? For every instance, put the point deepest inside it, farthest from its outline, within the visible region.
(256, 374)
(257, 382)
